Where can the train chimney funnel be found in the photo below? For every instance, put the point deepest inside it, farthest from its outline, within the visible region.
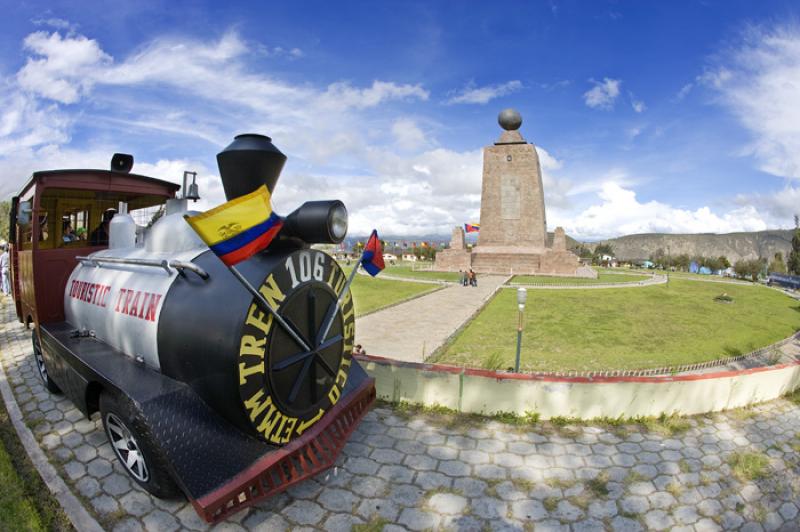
(247, 163)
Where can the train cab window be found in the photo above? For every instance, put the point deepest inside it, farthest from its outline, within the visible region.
(79, 218)
(75, 227)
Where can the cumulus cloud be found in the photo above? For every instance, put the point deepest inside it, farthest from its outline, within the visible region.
(637, 105)
(482, 95)
(61, 67)
(603, 94)
(407, 134)
(619, 212)
(759, 82)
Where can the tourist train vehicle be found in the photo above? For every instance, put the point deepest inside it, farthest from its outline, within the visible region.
(199, 389)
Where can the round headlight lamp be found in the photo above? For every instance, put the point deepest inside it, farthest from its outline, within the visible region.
(318, 222)
(337, 223)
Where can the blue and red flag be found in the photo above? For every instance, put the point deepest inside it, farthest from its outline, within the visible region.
(472, 228)
(372, 258)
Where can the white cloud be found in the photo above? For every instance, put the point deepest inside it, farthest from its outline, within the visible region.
(778, 207)
(407, 134)
(637, 105)
(685, 90)
(603, 94)
(619, 212)
(62, 68)
(56, 23)
(482, 95)
(759, 83)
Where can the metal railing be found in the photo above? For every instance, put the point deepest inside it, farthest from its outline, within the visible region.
(166, 265)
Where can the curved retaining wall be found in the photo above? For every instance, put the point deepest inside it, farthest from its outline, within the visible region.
(489, 392)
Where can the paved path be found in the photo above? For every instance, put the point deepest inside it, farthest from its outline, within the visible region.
(413, 330)
(415, 472)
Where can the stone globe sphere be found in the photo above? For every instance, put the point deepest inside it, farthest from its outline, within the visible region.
(509, 119)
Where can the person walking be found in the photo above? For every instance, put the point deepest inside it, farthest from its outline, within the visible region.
(4, 262)
(473, 279)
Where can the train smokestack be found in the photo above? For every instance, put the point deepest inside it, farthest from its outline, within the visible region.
(247, 163)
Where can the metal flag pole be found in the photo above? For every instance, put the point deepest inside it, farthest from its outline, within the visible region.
(329, 318)
(266, 306)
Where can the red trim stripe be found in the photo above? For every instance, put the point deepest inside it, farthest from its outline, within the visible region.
(247, 251)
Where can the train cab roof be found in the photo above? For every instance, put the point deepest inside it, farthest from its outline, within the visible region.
(100, 180)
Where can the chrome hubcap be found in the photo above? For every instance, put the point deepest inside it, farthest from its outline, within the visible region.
(126, 448)
(40, 364)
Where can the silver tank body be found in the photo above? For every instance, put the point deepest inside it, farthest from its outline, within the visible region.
(121, 303)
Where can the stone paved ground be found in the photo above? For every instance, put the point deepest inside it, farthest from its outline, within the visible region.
(413, 330)
(413, 471)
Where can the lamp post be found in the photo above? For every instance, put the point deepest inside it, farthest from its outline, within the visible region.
(522, 296)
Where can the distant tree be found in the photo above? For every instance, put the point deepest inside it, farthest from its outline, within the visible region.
(5, 211)
(777, 265)
(794, 255)
(724, 262)
(604, 249)
(658, 258)
(682, 261)
(749, 268)
(713, 264)
(583, 252)
(797, 221)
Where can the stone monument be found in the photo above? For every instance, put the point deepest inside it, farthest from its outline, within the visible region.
(513, 226)
(457, 256)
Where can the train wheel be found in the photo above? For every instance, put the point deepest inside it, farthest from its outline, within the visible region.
(51, 386)
(130, 438)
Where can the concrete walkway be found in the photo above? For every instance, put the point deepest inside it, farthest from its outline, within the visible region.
(413, 330)
(429, 472)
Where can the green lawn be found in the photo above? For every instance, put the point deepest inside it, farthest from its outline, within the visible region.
(25, 501)
(655, 326)
(602, 278)
(404, 270)
(373, 293)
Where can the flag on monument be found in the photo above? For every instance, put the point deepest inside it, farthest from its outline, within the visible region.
(240, 228)
(472, 228)
(372, 258)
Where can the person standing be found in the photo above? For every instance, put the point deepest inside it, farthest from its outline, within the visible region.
(4, 264)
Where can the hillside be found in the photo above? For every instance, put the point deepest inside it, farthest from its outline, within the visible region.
(735, 246)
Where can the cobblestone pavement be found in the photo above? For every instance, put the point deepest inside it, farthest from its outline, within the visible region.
(413, 330)
(416, 471)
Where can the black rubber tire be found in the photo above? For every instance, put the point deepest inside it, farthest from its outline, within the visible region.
(160, 483)
(41, 365)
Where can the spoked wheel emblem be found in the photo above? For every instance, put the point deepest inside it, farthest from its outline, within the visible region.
(126, 447)
(306, 375)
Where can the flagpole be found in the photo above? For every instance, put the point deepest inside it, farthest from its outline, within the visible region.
(329, 321)
(263, 303)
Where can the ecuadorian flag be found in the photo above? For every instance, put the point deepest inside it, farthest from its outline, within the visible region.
(238, 229)
(472, 228)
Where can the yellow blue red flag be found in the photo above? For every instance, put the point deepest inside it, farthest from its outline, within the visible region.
(238, 229)
(472, 228)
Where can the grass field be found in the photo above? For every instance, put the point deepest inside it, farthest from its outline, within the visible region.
(25, 501)
(404, 270)
(602, 278)
(655, 326)
(373, 293)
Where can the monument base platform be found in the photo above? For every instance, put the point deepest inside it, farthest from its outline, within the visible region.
(513, 261)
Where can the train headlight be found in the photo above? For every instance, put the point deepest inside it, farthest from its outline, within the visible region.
(318, 222)
(338, 222)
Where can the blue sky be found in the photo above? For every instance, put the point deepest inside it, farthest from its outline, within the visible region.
(648, 116)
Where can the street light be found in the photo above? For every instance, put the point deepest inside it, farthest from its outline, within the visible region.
(522, 296)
